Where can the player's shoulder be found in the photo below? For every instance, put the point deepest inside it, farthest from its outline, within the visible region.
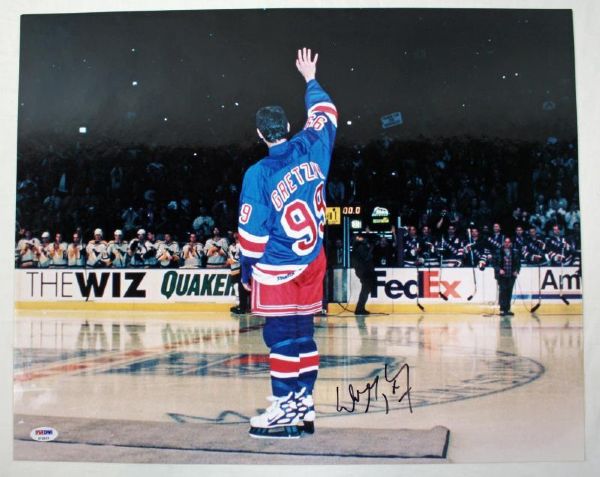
(258, 170)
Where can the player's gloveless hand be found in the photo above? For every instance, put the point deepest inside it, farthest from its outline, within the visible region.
(307, 66)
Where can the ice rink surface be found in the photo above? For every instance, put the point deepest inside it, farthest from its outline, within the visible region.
(509, 390)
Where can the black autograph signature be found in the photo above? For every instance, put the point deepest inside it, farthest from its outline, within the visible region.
(371, 391)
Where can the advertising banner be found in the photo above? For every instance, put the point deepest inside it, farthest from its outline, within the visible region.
(431, 285)
(125, 285)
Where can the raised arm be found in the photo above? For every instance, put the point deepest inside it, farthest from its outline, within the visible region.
(316, 99)
(322, 117)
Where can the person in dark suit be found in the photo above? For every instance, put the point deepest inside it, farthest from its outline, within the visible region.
(364, 267)
(507, 264)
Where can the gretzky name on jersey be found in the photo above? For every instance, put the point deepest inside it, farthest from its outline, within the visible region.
(305, 172)
(282, 202)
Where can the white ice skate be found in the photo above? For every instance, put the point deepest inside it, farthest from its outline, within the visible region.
(306, 411)
(279, 421)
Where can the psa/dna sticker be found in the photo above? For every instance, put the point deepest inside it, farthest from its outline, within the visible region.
(44, 434)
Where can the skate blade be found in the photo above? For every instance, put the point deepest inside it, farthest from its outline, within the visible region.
(307, 427)
(283, 432)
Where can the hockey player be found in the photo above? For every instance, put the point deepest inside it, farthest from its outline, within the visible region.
(520, 240)
(117, 250)
(496, 239)
(428, 251)
(412, 248)
(534, 251)
(480, 250)
(451, 248)
(281, 225)
(560, 251)
(97, 251)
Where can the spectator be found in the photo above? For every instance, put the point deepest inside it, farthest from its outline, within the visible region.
(168, 253)
(193, 252)
(58, 252)
(203, 224)
(43, 251)
(75, 252)
(130, 219)
(97, 251)
(336, 191)
(117, 250)
(572, 217)
(151, 255)
(116, 178)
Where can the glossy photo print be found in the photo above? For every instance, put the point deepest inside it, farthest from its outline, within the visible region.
(298, 236)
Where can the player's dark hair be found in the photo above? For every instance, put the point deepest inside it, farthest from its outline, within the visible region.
(272, 123)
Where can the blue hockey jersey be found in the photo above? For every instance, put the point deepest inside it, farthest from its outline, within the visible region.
(282, 202)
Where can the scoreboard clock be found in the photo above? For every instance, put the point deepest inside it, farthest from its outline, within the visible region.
(334, 214)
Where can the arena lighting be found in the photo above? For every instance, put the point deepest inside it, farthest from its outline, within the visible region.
(82, 130)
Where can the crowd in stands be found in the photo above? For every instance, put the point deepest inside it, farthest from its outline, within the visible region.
(145, 250)
(446, 192)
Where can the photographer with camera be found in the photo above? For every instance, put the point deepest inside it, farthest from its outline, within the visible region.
(27, 251)
(216, 250)
(137, 249)
(364, 267)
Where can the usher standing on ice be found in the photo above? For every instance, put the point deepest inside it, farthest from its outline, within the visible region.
(281, 225)
(507, 264)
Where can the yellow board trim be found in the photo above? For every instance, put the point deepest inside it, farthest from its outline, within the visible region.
(96, 305)
(333, 308)
(456, 308)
